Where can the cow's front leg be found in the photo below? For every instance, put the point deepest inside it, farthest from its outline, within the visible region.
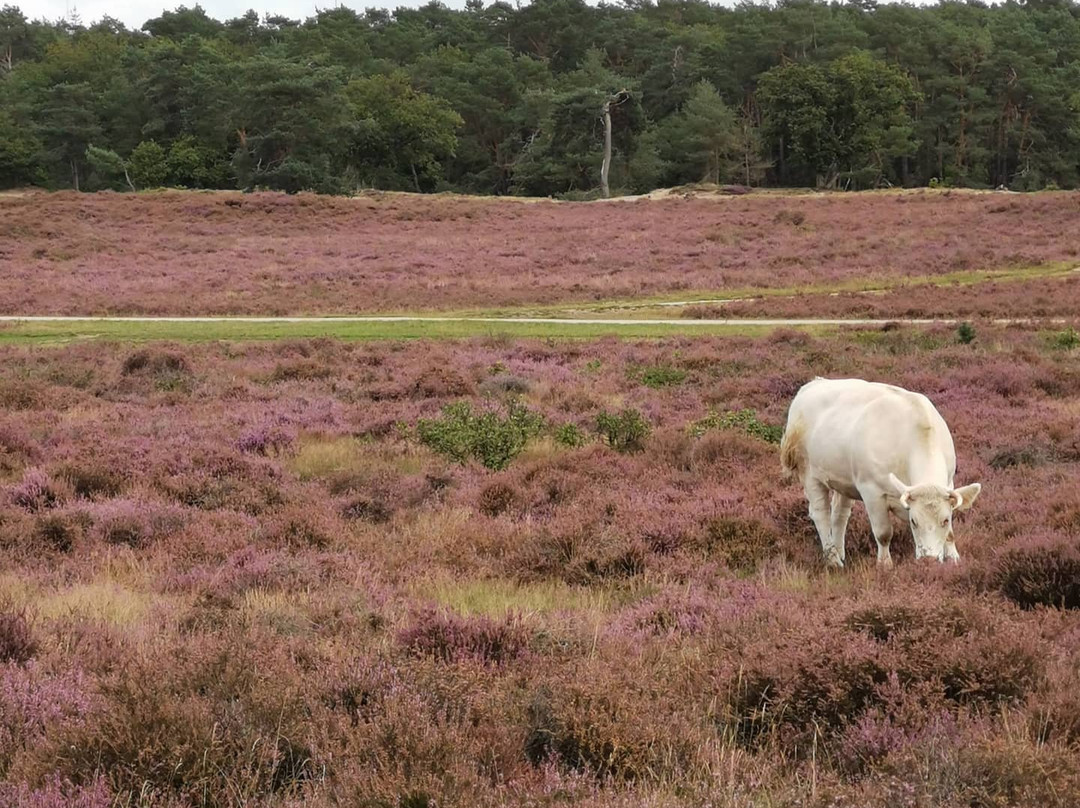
(841, 512)
(877, 508)
(817, 495)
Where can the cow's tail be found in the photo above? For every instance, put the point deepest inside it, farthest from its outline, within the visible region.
(792, 452)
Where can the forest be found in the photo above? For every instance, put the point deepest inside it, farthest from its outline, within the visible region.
(504, 99)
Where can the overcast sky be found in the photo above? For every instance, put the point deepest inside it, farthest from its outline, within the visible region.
(133, 13)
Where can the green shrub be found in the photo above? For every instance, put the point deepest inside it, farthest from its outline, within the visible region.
(569, 435)
(493, 440)
(1066, 340)
(624, 432)
(965, 333)
(657, 376)
(745, 420)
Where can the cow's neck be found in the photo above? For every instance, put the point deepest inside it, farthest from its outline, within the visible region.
(928, 468)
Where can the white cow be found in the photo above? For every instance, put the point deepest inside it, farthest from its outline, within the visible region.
(849, 439)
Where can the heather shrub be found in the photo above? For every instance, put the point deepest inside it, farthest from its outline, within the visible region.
(59, 530)
(1039, 574)
(1012, 456)
(38, 492)
(603, 725)
(57, 793)
(675, 613)
(788, 216)
(217, 722)
(134, 523)
(449, 638)
(740, 543)
(885, 621)
(367, 509)
(302, 370)
(701, 311)
(17, 643)
(16, 449)
(462, 434)
(35, 703)
(610, 557)
(268, 440)
(168, 370)
(89, 481)
(725, 449)
(301, 527)
(496, 498)
(745, 420)
(893, 658)
(504, 384)
(440, 381)
(22, 394)
(578, 552)
(625, 431)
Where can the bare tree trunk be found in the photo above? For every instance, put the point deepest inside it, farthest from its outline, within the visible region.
(606, 166)
(75, 174)
(620, 97)
(416, 181)
(127, 177)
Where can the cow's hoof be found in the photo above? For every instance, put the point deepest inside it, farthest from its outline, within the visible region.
(885, 563)
(834, 562)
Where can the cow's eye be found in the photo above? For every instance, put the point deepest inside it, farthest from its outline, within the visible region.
(944, 522)
(914, 523)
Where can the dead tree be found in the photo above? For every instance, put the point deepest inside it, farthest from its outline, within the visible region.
(615, 100)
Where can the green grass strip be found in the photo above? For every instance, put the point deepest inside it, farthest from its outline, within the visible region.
(64, 332)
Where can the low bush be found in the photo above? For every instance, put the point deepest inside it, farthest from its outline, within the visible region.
(740, 543)
(657, 376)
(1066, 340)
(788, 216)
(168, 370)
(17, 643)
(1040, 574)
(89, 481)
(625, 431)
(497, 498)
(893, 658)
(38, 492)
(462, 434)
(59, 530)
(450, 638)
(745, 420)
(569, 435)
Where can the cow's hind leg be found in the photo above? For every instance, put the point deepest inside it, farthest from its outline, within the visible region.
(817, 495)
(877, 508)
(841, 512)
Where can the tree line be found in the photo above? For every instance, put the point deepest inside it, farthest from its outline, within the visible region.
(505, 99)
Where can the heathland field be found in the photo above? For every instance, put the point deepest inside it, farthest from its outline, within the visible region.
(520, 568)
(266, 254)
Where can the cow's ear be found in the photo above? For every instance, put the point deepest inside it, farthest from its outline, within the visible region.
(902, 490)
(964, 498)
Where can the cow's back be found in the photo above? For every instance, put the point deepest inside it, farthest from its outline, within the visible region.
(848, 426)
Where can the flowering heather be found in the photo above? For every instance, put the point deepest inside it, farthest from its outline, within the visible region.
(239, 575)
(1030, 298)
(202, 253)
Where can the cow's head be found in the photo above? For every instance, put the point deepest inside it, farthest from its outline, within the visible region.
(930, 510)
